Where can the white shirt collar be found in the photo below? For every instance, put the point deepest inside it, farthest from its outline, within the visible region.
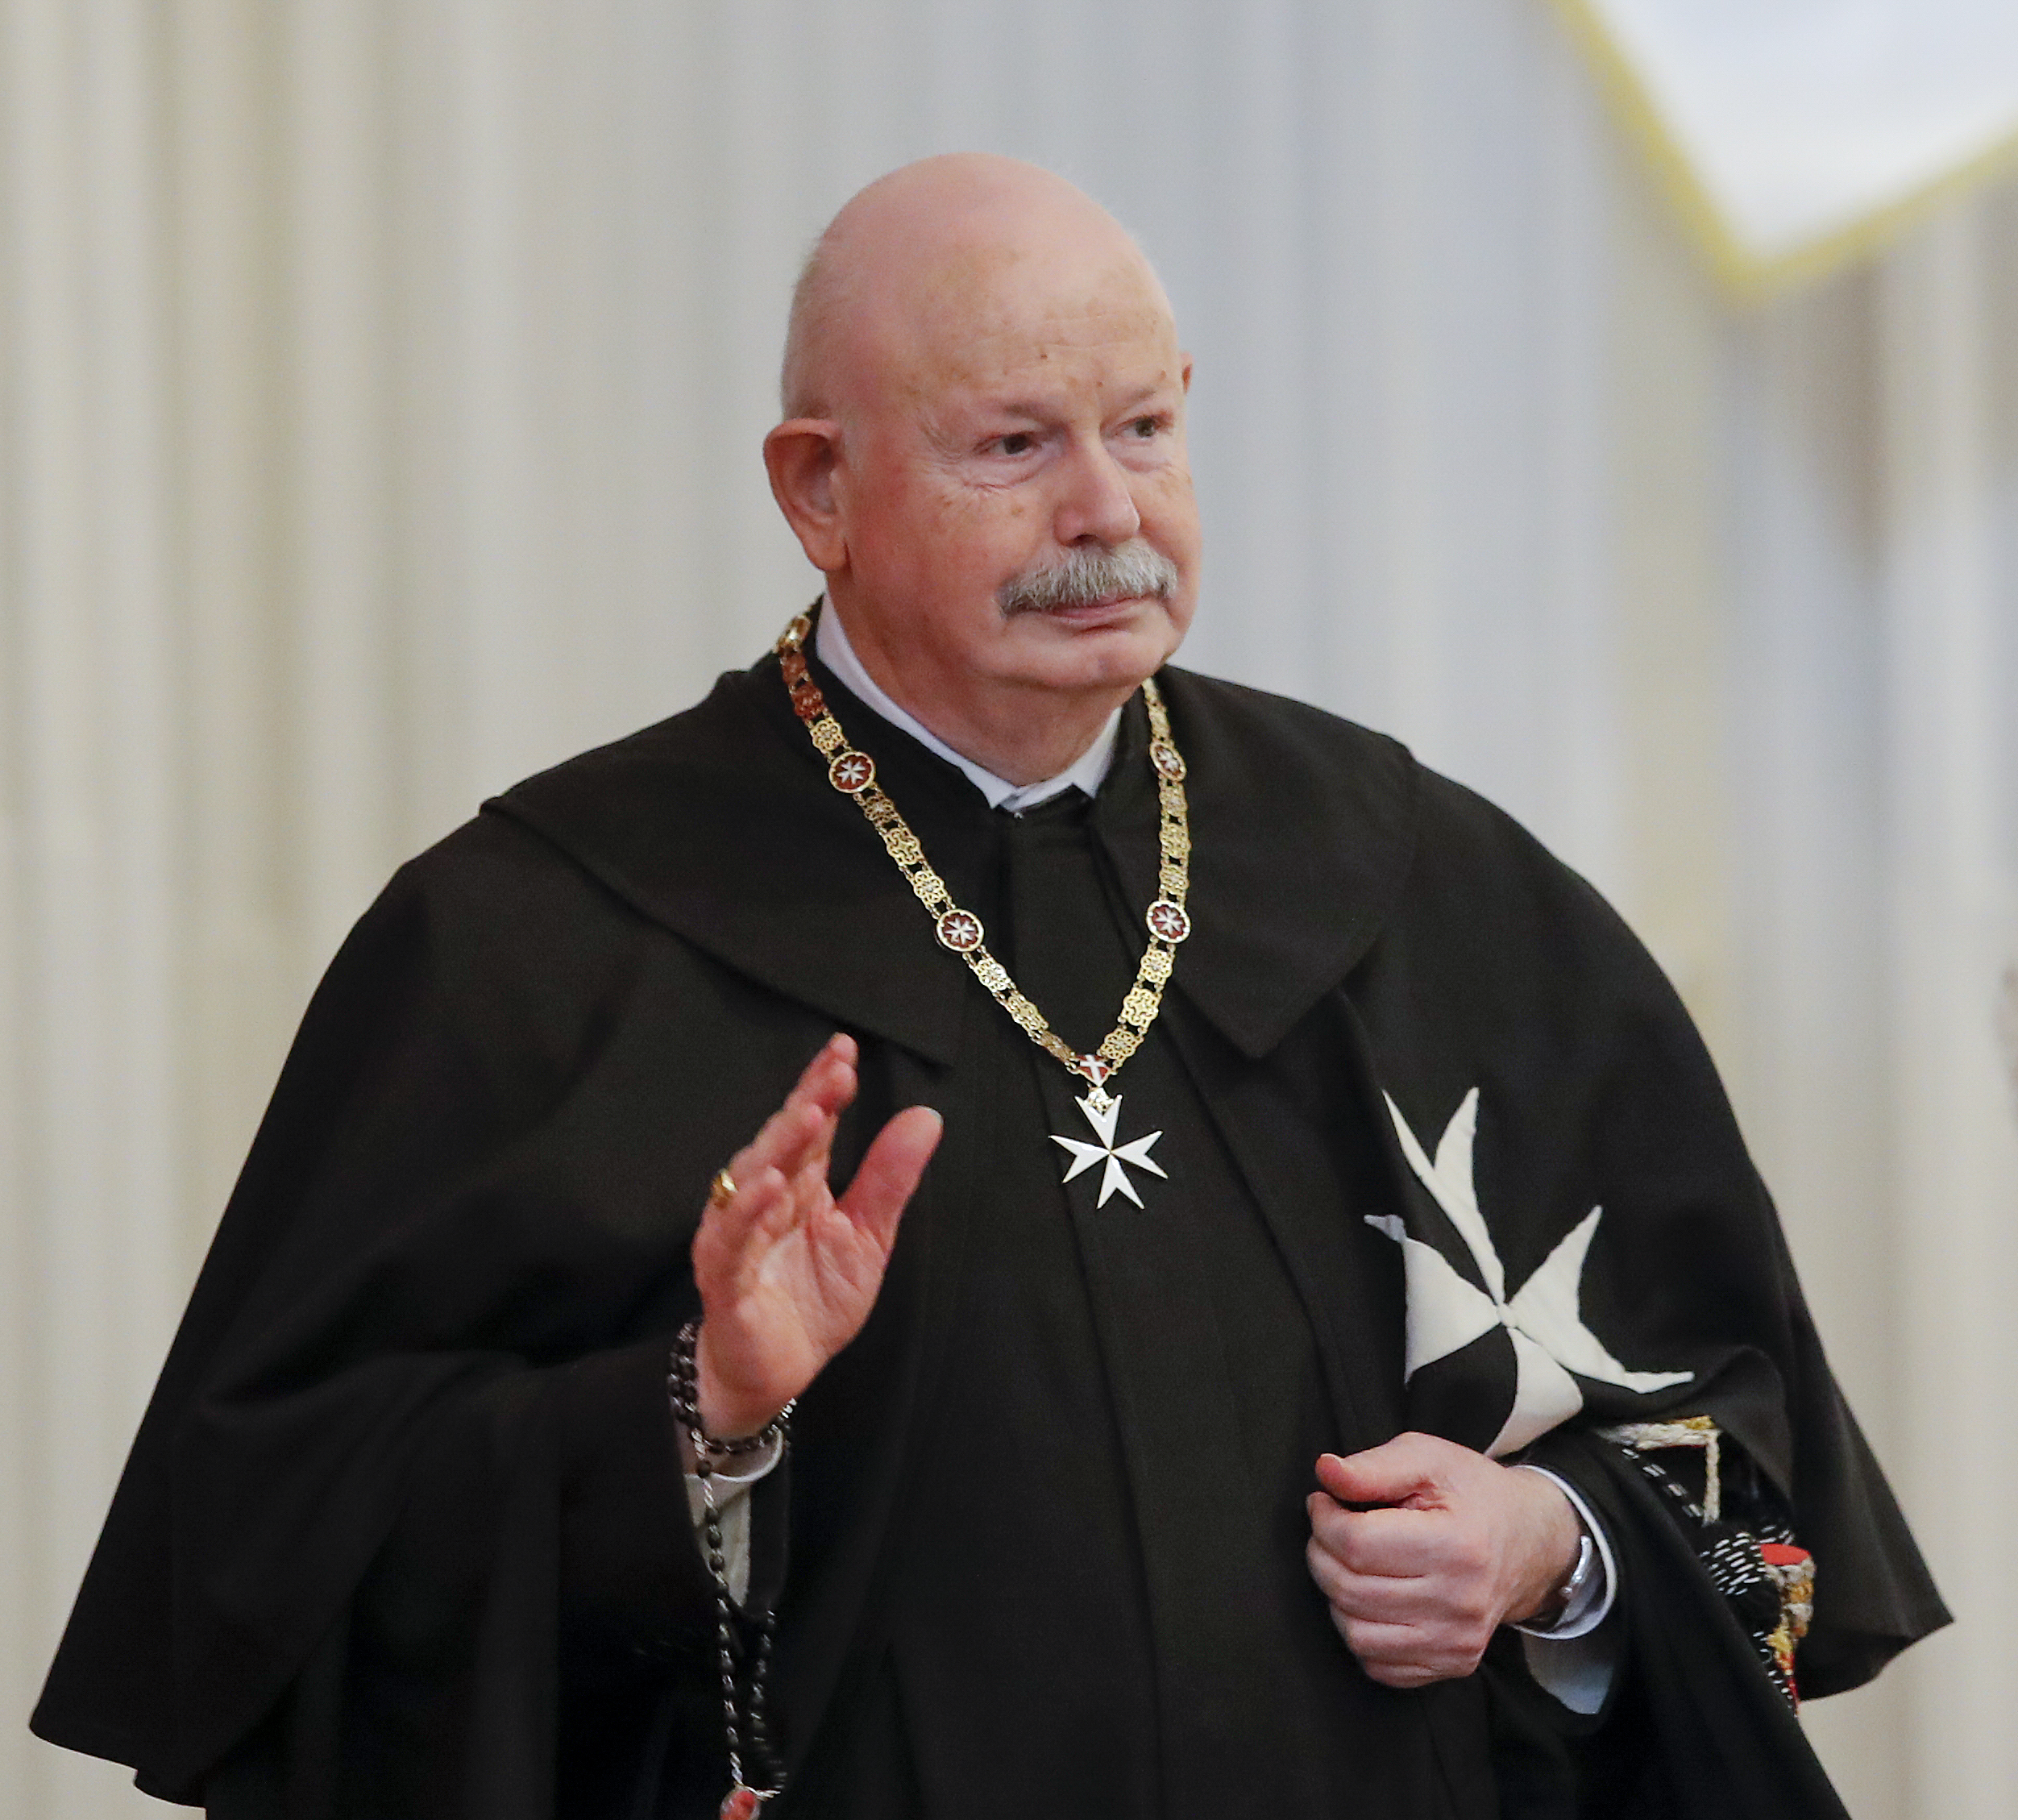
(1088, 771)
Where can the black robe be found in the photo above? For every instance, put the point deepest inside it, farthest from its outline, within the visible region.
(404, 1530)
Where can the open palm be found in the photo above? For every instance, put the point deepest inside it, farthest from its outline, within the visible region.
(787, 1272)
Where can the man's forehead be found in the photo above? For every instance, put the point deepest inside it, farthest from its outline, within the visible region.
(1003, 315)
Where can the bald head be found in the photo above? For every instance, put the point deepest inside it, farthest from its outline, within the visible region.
(914, 265)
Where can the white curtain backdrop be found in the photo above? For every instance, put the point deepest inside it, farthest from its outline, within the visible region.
(380, 388)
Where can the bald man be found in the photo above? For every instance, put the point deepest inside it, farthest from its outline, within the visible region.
(981, 1226)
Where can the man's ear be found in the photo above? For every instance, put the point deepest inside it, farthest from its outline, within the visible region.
(801, 455)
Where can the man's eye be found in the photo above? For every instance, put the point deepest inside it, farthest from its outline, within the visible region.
(1145, 427)
(1016, 442)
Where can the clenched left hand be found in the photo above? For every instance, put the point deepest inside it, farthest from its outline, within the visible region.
(1461, 1545)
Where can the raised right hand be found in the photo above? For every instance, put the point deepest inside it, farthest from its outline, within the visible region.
(788, 1273)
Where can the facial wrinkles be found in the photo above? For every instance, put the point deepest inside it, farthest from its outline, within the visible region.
(1061, 397)
(996, 325)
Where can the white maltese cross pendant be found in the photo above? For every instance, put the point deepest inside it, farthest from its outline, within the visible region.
(1103, 1113)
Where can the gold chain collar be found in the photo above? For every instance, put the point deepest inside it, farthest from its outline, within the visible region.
(853, 773)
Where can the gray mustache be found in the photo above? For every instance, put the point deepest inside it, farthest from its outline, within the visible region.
(1083, 577)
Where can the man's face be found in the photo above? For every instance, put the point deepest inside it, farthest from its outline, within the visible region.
(1034, 409)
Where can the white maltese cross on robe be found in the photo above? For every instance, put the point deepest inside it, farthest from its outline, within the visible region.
(1105, 1120)
(1544, 1321)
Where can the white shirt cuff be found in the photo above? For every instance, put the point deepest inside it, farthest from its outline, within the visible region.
(1592, 1604)
(1572, 1658)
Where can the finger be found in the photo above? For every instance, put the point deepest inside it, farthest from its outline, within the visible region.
(829, 1085)
(1329, 1526)
(1409, 1466)
(1332, 1578)
(1399, 1541)
(889, 1173)
(1389, 1646)
(735, 1236)
(1393, 1655)
(814, 1159)
(795, 1142)
(1349, 1580)
(1411, 1654)
(828, 1079)
(1374, 1598)
(791, 1138)
(826, 1083)
(798, 1138)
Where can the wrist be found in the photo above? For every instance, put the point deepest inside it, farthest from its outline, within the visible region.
(1560, 1547)
(726, 1413)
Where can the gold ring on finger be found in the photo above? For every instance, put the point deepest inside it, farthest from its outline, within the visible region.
(722, 1190)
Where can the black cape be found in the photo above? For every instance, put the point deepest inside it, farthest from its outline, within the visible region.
(404, 1530)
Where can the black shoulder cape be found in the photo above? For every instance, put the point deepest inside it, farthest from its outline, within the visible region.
(403, 1529)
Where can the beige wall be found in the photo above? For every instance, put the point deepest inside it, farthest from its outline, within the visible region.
(381, 384)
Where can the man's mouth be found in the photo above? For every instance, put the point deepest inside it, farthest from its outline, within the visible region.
(1089, 610)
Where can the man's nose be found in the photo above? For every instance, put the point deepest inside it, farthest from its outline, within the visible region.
(1098, 504)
